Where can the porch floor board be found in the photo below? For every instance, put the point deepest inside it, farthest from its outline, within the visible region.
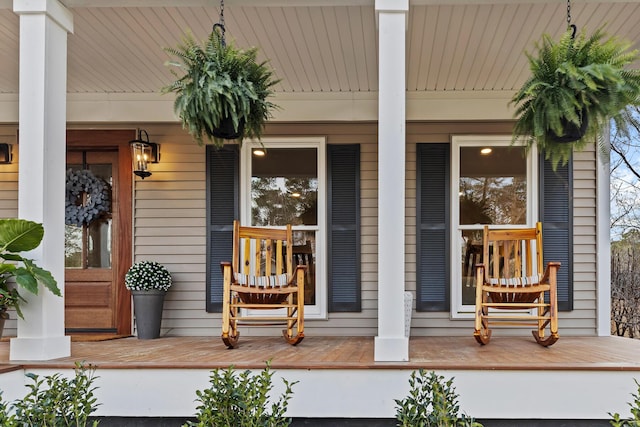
(432, 353)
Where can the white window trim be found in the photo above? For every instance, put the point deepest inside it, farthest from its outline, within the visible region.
(319, 310)
(458, 310)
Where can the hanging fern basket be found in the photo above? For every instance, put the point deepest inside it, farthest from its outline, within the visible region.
(221, 91)
(578, 84)
(227, 130)
(571, 132)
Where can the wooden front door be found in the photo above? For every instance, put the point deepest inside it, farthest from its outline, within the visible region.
(98, 254)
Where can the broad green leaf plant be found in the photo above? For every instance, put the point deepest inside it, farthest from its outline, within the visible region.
(217, 81)
(16, 236)
(576, 76)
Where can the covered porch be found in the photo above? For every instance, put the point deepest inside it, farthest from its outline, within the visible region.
(579, 378)
(461, 67)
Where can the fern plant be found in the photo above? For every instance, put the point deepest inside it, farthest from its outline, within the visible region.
(580, 82)
(216, 83)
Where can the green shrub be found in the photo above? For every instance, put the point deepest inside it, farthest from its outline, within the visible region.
(635, 413)
(432, 402)
(241, 399)
(63, 402)
(4, 412)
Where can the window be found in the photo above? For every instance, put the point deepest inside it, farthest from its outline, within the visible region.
(493, 183)
(284, 181)
(440, 249)
(90, 246)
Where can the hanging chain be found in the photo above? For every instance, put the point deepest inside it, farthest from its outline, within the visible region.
(220, 24)
(222, 13)
(570, 26)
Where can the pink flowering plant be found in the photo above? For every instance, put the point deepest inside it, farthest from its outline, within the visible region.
(146, 276)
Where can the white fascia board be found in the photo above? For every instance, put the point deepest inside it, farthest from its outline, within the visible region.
(9, 108)
(301, 107)
(207, 3)
(370, 393)
(392, 5)
(159, 108)
(310, 107)
(459, 105)
(13, 384)
(52, 8)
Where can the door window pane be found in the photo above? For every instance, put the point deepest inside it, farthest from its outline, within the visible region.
(73, 246)
(89, 246)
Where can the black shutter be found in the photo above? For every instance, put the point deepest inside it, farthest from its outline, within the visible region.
(556, 215)
(343, 163)
(432, 211)
(222, 209)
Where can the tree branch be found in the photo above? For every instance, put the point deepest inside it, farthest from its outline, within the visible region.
(624, 159)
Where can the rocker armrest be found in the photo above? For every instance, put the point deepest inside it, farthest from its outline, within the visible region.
(547, 270)
(224, 264)
(294, 276)
(479, 269)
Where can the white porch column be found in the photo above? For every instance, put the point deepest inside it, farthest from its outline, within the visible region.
(603, 239)
(391, 343)
(44, 25)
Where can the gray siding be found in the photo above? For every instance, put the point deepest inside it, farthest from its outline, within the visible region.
(9, 198)
(580, 321)
(169, 226)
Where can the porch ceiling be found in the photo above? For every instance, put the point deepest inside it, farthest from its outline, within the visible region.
(316, 46)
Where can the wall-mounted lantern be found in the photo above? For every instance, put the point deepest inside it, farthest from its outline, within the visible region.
(143, 152)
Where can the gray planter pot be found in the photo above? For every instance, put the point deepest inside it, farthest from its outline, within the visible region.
(147, 307)
(408, 308)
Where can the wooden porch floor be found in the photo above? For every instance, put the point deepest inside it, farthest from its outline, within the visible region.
(432, 353)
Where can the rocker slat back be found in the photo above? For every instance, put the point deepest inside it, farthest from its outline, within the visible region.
(261, 252)
(503, 252)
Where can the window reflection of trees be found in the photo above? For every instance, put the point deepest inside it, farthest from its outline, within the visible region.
(278, 201)
(73, 246)
(493, 200)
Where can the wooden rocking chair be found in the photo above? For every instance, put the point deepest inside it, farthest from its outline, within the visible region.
(506, 296)
(261, 276)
